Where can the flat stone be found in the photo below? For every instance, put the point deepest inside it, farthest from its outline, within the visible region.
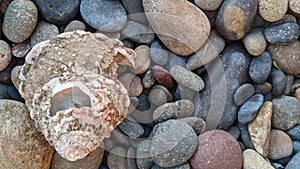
(160, 95)
(294, 132)
(208, 52)
(281, 145)
(138, 33)
(252, 160)
(260, 67)
(286, 112)
(272, 10)
(287, 57)
(75, 25)
(20, 50)
(59, 12)
(235, 17)
(117, 158)
(178, 109)
(173, 143)
(260, 128)
(196, 123)
(278, 80)
(208, 5)
(18, 29)
(243, 93)
(187, 78)
(132, 83)
(106, 16)
(142, 61)
(43, 31)
(294, 162)
(5, 55)
(131, 128)
(283, 33)
(184, 39)
(143, 157)
(159, 53)
(250, 108)
(162, 76)
(215, 149)
(255, 42)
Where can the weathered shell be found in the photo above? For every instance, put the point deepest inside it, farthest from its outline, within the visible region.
(71, 89)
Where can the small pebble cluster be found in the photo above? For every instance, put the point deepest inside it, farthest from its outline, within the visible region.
(216, 83)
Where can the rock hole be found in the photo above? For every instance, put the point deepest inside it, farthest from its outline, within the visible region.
(50, 6)
(69, 98)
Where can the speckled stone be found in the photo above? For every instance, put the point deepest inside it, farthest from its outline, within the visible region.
(187, 78)
(250, 108)
(252, 160)
(255, 42)
(159, 53)
(281, 145)
(138, 33)
(132, 83)
(5, 52)
(59, 12)
(243, 93)
(235, 18)
(160, 95)
(15, 76)
(260, 67)
(117, 158)
(178, 109)
(208, 52)
(260, 128)
(20, 50)
(287, 57)
(131, 128)
(215, 149)
(272, 10)
(162, 76)
(75, 25)
(196, 123)
(106, 16)
(184, 39)
(286, 112)
(295, 6)
(142, 61)
(208, 5)
(278, 80)
(43, 31)
(283, 33)
(173, 143)
(143, 157)
(91, 161)
(18, 29)
(148, 80)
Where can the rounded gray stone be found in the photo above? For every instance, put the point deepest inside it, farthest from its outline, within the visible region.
(138, 33)
(143, 157)
(43, 31)
(260, 67)
(243, 93)
(250, 108)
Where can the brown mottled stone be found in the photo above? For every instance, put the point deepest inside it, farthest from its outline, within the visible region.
(215, 149)
(235, 18)
(162, 76)
(260, 128)
(272, 10)
(5, 55)
(180, 25)
(15, 76)
(281, 145)
(287, 57)
(132, 83)
(142, 61)
(252, 160)
(20, 49)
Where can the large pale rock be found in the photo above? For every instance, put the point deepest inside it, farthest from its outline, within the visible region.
(252, 160)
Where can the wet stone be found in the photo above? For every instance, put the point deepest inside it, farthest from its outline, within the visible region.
(162, 76)
(131, 128)
(159, 53)
(278, 80)
(5, 52)
(196, 123)
(20, 50)
(58, 11)
(282, 34)
(138, 33)
(255, 42)
(43, 31)
(144, 159)
(281, 145)
(18, 29)
(173, 143)
(272, 10)
(75, 25)
(243, 93)
(159, 95)
(250, 108)
(260, 68)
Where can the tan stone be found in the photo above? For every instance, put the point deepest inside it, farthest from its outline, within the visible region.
(297, 93)
(15, 76)
(180, 25)
(142, 61)
(272, 10)
(259, 129)
(252, 160)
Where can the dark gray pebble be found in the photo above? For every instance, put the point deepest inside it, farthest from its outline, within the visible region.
(138, 33)
(243, 93)
(245, 135)
(296, 146)
(281, 34)
(143, 157)
(250, 108)
(278, 81)
(131, 128)
(158, 52)
(14, 94)
(4, 91)
(260, 68)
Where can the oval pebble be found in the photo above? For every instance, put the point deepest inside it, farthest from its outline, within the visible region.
(208, 5)
(106, 16)
(132, 83)
(43, 31)
(183, 166)
(263, 88)
(243, 93)
(142, 61)
(283, 33)
(184, 39)
(260, 67)
(250, 108)
(143, 157)
(25, 147)
(215, 149)
(187, 78)
(75, 25)
(234, 131)
(173, 143)
(252, 160)
(18, 29)
(278, 80)
(281, 145)
(59, 12)
(255, 42)
(159, 53)
(160, 95)
(5, 55)
(235, 17)
(162, 76)
(272, 10)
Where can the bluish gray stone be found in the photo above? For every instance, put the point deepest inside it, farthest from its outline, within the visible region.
(14, 94)
(138, 33)
(3, 91)
(104, 15)
(281, 34)
(296, 146)
(158, 52)
(245, 135)
(294, 162)
(143, 157)
(260, 67)
(131, 128)
(294, 132)
(278, 81)
(243, 93)
(135, 10)
(250, 108)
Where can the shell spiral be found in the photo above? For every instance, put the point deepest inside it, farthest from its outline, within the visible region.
(71, 90)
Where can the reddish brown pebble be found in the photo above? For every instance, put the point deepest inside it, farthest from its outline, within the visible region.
(132, 83)
(217, 149)
(20, 49)
(162, 76)
(281, 145)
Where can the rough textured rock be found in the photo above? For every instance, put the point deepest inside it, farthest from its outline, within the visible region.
(260, 68)
(255, 42)
(281, 145)
(235, 18)
(287, 57)
(196, 123)
(21, 144)
(173, 143)
(272, 10)
(165, 16)
(5, 55)
(75, 98)
(18, 29)
(260, 128)
(143, 157)
(283, 33)
(43, 31)
(252, 160)
(215, 149)
(243, 93)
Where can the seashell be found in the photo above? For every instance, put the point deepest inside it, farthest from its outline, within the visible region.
(71, 90)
